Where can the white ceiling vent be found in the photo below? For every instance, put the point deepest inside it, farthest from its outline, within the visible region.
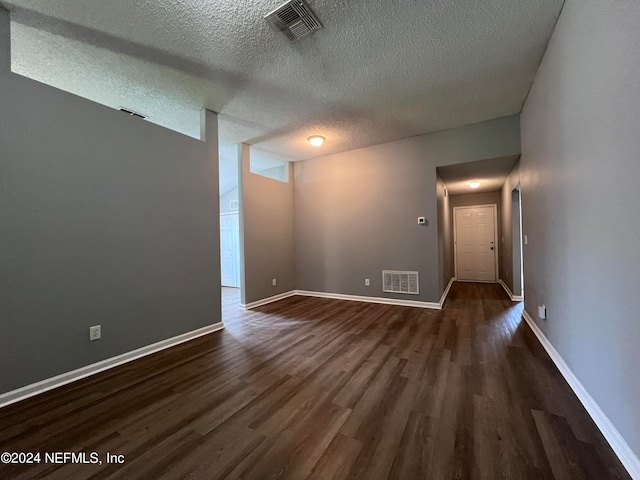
(400, 282)
(294, 19)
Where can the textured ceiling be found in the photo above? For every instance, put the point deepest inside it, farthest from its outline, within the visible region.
(491, 173)
(378, 71)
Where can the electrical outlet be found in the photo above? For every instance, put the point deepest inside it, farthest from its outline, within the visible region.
(274, 282)
(367, 282)
(95, 333)
(422, 220)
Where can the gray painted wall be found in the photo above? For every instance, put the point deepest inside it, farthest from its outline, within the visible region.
(266, 233)
(579, 172)
(508, 267)
(445, 234)
(471, 199)
(356, 212)
(106, 219)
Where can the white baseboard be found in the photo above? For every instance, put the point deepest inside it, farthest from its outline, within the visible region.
(514, 298)
(446, 291)
(617, 442)
(358, 298)
(264, 301)
(59, 380)
(355, 298)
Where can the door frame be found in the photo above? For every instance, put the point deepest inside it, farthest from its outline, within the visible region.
(494, 207)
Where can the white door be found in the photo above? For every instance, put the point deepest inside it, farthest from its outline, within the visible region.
(475, 243)
(230, 250)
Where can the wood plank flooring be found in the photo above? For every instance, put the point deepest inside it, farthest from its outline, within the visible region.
(309, 388)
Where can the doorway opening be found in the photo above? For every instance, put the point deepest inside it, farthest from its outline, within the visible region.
(475, 243)
(230, 250)
(229, 235)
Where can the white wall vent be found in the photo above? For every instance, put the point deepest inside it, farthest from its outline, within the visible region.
(233, 205)
(294, 20)
(400, 282)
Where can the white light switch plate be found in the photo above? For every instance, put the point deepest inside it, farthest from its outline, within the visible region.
(542, 312)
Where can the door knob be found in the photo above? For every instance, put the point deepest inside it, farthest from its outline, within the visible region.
(491, 247)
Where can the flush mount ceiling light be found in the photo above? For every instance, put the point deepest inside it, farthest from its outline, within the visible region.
(474, 184)
(132, 113)
(316, 140)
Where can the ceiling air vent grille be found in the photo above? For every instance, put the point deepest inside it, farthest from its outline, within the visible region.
(400, 282)
(294, 19)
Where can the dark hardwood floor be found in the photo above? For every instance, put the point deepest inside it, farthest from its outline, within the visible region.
(310, 388)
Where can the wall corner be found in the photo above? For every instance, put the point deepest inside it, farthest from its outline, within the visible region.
(209, 126)
(244, 159)
(5, 41)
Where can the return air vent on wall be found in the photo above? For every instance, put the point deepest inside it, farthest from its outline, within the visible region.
(294, 19)
(400, 282)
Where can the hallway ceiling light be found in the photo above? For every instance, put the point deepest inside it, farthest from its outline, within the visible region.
(474, 184)
(316, 140)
